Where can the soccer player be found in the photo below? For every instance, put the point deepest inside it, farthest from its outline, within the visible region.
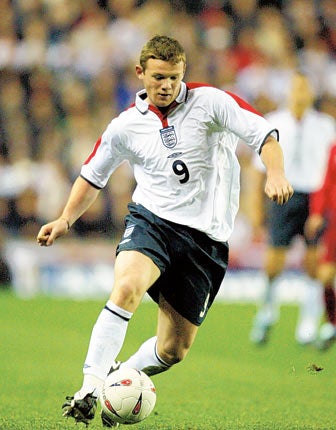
(306, 138)
(180, 138)
(323, 217)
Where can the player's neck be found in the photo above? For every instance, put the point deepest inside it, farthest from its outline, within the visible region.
(166, 109)
(163, 109)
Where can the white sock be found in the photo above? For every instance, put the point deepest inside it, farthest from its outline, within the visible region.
(310, 311)
(268, 312)
(107, 338)
(147, 359)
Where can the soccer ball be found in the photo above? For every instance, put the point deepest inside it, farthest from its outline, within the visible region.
(128, 396)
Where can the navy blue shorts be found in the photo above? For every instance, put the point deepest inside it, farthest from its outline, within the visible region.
(192, 265)
(288, 220)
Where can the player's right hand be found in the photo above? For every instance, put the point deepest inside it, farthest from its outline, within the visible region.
(51, 231)
(277, 188)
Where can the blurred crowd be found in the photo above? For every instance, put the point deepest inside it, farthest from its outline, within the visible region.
(67, 67)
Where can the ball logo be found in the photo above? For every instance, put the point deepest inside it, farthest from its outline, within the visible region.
(122, 383)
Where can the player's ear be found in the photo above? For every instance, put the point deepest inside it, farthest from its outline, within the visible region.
(139, 71)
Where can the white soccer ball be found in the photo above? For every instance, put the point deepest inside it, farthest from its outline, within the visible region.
(128, 396)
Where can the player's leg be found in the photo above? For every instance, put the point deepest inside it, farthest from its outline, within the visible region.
(268, 311)
(283, 225)
(175, 335)
(310, 306)
(326, 273)
(184, 293)
(274, 266)
(134, 274)
(327, 333)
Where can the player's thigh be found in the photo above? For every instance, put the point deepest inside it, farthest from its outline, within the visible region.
(174, 332)
(134, 273)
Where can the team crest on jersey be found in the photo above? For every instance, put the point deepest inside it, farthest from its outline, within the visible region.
(168, 136)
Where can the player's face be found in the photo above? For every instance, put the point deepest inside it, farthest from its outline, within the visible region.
(301, 95)
(162, 81)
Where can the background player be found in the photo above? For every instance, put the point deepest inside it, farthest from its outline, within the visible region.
(323, 217)
(306, 136)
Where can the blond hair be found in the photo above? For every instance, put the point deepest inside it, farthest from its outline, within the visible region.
(162, 48)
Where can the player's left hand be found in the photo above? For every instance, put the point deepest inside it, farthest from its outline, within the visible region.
(278, 189)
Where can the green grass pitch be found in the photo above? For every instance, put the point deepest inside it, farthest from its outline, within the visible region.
(225, 383)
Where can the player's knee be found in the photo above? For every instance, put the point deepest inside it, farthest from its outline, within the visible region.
(273, 271)
(274, 266)
(126, 294)
(173, 354)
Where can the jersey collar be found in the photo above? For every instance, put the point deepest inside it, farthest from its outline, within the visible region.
(143, 106)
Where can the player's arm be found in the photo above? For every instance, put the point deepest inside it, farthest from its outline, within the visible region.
(81, 197)
(277, 188)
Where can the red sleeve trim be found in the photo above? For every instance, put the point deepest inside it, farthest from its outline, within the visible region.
(243, 104)
(93, 153)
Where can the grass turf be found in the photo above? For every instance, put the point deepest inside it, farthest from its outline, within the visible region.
(225, 383)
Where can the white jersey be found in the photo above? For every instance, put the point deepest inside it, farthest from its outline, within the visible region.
(184, 163)
(305, 145)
